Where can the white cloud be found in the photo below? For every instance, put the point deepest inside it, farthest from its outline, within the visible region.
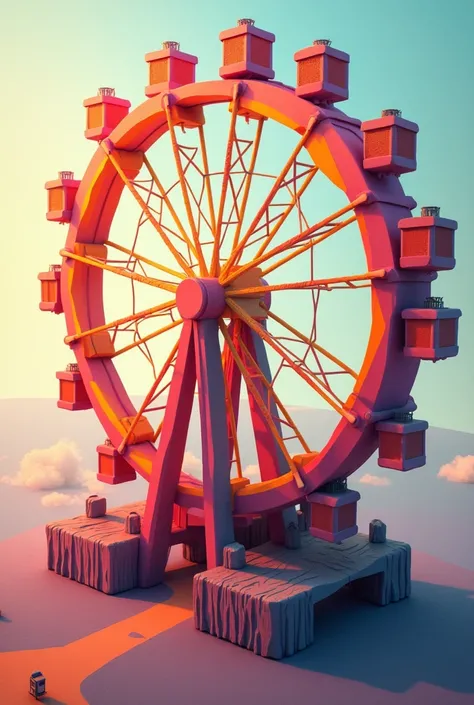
(192, 465)
(61, 499)
(54, 468)
(369, 479)
(461, 469)
(252, 471)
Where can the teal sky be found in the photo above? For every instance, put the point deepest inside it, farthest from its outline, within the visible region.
(54, 54)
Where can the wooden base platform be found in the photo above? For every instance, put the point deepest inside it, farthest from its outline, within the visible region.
(99, 552)
(268, 606)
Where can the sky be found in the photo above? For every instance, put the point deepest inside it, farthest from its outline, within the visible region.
(55, 55)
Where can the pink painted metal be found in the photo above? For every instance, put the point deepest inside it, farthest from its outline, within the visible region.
(199, 299)
(104, 112)
(51, 289)
(61, 196)
(113, 469)
(402, 444)
(389, 144)
(322, 73)
(169, 68)
(387, 375)
(427, 241)
(431, 333)
(247, 52)
(333, 515)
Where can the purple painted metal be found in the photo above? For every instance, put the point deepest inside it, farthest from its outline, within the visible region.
(155, 538)
(200, 298)
(216, 462)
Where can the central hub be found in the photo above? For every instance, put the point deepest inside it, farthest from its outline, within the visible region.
(200, 298)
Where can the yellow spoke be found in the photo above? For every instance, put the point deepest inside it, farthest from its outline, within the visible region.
(215, 264)
(207, 178)
(120, 321)
(170, 207)
(157, 432)
(312, 284)
(313, 382)
(148, 397)
(184, 188)
(299, 238)
(260, 403)
(237, 253)
(306, 340)
(233, 427)
(287, 212)
(248, 182)
(121, 271)
(269, 387)
(177, 255)
(140, 258)
(148, 337)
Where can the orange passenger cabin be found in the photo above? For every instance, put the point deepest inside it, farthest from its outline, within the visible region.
(389, 143)
(333, 512)
(61, 197)
(72, 392)
(104, 112)
(322, 73)
(113, 468)
(402, 442)
(51, 289)
(427, 241)
(431, 333)
(247, 52)
(169, 68)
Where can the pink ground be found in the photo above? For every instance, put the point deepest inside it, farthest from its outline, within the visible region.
(142, 647)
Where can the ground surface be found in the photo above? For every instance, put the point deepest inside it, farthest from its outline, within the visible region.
(130, 649)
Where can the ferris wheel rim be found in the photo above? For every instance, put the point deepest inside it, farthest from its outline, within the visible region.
(330, 125)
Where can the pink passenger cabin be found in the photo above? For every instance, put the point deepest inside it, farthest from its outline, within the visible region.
(402, 442)
(61, 196)
(431, 333)
(113, 468)
(169, 68)
(72, 392)
(247, 52)
(322, 73)
(333, 512)
(390, 143)
(51, 289)
(427, 241)
(104, 112)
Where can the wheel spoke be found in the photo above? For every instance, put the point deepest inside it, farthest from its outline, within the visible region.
(177, 255)
(309, 379)
(207, 178)
(237, 253)
(269, 386)
(140, 258)
(184, 188)
(299, 238)
(295, 199)
(148, 337)
(248, 182)
(312, 284)
(170, 207)
(157, 283)
(312, 344)
(148, 397)
(225, 182)
(260, 403)
(120, 321)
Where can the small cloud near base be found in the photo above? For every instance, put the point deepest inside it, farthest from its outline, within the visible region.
(461, 469)
(374, 480)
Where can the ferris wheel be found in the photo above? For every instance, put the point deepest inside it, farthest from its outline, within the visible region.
(217, 251)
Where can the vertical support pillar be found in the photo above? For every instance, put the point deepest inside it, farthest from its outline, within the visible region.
(270, 458)
(155, 537)
(216, 462)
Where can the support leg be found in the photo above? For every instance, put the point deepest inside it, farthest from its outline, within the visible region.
(215, 446)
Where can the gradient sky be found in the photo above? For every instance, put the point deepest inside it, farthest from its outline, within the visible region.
(55, 54)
